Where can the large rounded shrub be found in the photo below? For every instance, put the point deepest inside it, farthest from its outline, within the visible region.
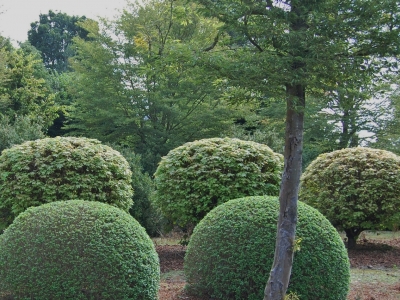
(51, 169)
(231, 251)
(77, 250)
(355, 188)
(196, 177)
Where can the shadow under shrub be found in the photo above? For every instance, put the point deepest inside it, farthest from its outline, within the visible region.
(231, 252)
(77, 250)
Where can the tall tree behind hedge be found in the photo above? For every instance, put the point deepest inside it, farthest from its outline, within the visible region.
(388, 135)
(23, 87)
(52, 35)
(24, 99)
(148, 88)
(21, 129)
(291, 49)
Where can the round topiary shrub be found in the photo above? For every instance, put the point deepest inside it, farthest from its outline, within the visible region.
(196, 177)
(77, 250)
(355, 188)
(231, 251)
(51, 169)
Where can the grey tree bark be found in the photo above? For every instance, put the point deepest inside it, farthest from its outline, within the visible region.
(288, 197)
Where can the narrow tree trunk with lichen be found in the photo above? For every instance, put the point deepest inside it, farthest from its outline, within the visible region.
(288, 197)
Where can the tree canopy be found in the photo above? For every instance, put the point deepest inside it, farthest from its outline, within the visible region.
(52, 35)
(148, 88)
(23, 86)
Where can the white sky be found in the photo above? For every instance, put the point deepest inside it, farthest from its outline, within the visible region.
(17, 15)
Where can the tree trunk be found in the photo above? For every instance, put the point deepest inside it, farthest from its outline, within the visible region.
(288, 197)
(352, 235)
(344, 137)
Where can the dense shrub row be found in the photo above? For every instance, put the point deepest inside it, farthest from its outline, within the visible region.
(58, 247)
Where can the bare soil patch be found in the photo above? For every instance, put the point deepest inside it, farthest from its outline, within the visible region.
(375, 271)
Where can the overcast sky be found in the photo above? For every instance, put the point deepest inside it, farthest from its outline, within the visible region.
(17, 15)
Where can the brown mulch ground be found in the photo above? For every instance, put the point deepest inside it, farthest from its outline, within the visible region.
(369, 254)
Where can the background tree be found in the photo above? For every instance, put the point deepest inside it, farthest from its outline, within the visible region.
(60, 84)
(143, 209)
(148, 89)
(388, 135)
(356, 189)
(292, 49)
(263, 123)
(4, 44)
(27, 105)
(52, 35)
(25, 91)
(348, 116)
(22, 129)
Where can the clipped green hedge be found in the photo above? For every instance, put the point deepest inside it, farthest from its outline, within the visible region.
(196, 177)
(50, 169)
(231, 251)
(77, 250)
(355, 188)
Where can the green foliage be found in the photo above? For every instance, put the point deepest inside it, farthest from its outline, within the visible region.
(264, 125)
(388, 136)
(23, 89)
(3, 61)
(52, 35)
(142, 209)
(21, 130)
(291, 296)
(77, 250)
(148, 89)
(355, 188)
(63, 168)
(195, 177)
(231, 251)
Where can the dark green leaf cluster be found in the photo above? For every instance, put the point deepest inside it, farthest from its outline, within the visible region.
(52, 35)
(231, 251)
(195, 177)
(143, 210)
(355, 188)
(23, 87)
(62, 168)
(23, 129)
(77, 250)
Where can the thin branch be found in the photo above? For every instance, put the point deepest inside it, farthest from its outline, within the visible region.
(215, 42)
(251, 40)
